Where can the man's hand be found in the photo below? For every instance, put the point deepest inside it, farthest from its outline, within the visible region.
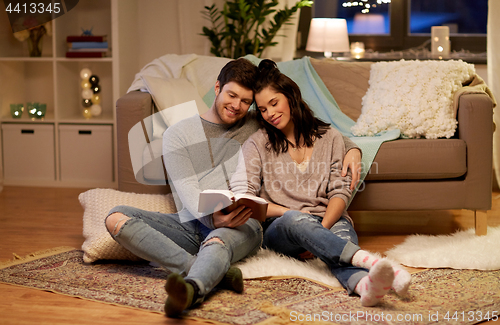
(352, 160)
(233, 219)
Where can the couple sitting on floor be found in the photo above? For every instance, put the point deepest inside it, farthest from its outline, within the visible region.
(232, 147)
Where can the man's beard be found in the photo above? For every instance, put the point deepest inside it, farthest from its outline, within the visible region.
(220, 110)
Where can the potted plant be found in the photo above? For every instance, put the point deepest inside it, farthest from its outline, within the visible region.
(241, 27)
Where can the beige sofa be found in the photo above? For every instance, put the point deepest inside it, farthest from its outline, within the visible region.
(407, 174)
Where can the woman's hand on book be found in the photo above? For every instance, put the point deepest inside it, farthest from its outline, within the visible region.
(235, 218)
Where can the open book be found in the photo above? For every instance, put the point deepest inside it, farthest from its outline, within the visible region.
(210, 199)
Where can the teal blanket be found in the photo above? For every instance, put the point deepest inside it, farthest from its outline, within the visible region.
(321, 101)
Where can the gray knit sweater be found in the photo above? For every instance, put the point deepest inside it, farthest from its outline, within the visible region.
(200, 155)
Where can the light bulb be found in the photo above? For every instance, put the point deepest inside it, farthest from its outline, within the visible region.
(95, 110)
(85, 73)
(87, 94)
(85, 84)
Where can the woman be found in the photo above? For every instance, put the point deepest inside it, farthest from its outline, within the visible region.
(295, 163)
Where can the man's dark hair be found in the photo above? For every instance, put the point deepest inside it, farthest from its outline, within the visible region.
(241, 71)
(305, 123)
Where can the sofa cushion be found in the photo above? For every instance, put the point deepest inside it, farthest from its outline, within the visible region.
(346, 81)
(419, 159)
(415, 97)
(98, 244)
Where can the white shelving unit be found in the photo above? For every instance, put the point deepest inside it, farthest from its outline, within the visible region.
(55, 80)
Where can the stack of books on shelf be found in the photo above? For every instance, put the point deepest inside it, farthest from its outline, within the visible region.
(87, 46)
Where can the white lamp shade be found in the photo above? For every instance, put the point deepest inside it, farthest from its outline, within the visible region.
(328, 35)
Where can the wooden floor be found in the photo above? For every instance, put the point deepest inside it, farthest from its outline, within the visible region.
(34, 219)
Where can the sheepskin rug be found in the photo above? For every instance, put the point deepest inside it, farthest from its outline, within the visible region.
(461, 250)
(267, 263)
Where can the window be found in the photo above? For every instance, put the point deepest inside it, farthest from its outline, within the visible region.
(403, 24)
(463, 17)
(365, 17)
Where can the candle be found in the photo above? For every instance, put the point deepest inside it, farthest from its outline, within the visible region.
(357, 50)
(16, 110)
(440, 42)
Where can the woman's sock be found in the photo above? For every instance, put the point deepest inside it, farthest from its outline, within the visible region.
(402, 278)
(364, 259)
(180, 295)
(376, 284)
(233, 280)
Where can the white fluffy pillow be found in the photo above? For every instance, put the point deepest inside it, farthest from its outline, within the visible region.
(98, 244)
(415, 97)
(176, 99)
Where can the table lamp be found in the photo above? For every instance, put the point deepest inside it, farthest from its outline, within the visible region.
(328, 35)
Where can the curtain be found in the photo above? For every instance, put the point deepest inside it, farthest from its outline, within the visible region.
(493, 49)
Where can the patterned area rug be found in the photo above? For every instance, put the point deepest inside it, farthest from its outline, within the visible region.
(443, 296)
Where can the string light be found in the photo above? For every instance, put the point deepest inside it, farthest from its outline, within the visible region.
(365, 5)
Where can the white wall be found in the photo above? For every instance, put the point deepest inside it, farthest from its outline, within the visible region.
(173, 27)
(158, 27)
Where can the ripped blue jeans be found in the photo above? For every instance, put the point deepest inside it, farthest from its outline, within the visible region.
(296, 232)
(182, 247)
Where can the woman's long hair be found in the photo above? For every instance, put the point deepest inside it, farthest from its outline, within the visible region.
(305, 124)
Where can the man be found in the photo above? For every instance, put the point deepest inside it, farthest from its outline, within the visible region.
(201, 152)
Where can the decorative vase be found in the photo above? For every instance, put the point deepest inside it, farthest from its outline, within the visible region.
(35, 41)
